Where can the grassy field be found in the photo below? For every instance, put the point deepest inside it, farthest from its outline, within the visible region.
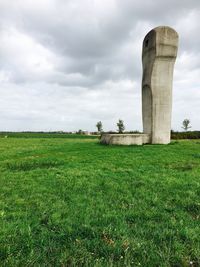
(74, 202)
(45, 135)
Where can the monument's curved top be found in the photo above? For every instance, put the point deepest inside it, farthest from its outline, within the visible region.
(163, 40)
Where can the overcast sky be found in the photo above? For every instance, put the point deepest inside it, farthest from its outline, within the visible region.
(66, 64)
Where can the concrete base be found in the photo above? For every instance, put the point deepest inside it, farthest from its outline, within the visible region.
(125, 139)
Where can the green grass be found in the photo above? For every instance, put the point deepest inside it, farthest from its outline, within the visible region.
(44, 135)
(74, 202)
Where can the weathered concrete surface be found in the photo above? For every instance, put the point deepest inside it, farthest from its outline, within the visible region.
(125, 139)
(158, 57)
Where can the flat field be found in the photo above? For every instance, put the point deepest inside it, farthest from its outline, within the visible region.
(74, 202)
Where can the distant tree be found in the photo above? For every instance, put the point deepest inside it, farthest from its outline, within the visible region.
(80, 131)
(120, 126)
(186, 124)
(99, 126)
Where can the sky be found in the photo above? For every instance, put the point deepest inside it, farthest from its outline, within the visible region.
(67, 64)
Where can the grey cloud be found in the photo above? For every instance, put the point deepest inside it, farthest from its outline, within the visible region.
(66, 59)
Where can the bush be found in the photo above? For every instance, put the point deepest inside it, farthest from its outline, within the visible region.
(185, 135)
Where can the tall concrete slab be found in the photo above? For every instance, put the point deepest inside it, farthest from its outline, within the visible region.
(159, 53)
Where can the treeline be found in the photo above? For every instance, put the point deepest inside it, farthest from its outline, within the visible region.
(185, 135)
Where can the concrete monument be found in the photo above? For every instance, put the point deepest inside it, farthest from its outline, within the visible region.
(158, 58)
(159, 53)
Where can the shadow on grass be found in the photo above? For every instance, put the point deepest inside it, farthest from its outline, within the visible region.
(31, 165)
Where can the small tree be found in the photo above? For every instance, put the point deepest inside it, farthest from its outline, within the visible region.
(185, 124)
(79, 131)
(120, 126)
(99, 126)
